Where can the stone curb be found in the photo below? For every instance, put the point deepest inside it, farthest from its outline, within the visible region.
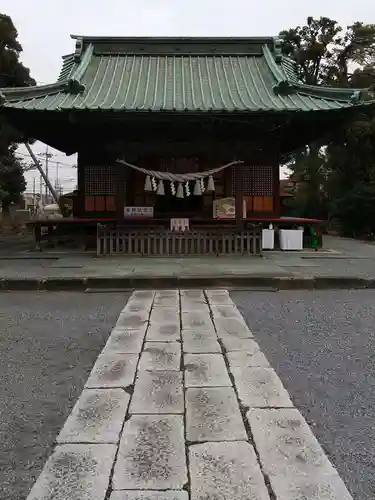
(114, 284)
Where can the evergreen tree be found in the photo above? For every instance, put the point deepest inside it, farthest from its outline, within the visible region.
(12, 74)
(339, 175)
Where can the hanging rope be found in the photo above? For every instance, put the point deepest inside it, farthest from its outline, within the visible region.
(180, 178)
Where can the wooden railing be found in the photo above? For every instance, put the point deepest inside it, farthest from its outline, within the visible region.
(162, 242)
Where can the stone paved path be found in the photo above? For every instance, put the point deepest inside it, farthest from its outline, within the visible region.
(182, 404)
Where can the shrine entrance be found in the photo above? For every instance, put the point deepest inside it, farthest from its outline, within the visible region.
(169, 205)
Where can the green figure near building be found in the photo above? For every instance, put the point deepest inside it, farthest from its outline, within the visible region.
(314, 238)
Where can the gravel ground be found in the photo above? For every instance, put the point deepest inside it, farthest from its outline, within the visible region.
(322, 345)
(48, 345)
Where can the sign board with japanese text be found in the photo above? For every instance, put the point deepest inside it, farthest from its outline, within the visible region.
(138, 212)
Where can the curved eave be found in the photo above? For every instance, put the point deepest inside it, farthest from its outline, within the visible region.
(183, 112)
(287, 84)
(71, 84)
(18, 94)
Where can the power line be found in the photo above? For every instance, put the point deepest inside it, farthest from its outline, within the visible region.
(51, 161)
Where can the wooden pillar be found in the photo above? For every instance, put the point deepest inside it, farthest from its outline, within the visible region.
(120, 191)
(79, 202)
(276, 190)
(239, 197)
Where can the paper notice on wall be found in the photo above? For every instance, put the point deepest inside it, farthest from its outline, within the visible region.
(179, 225)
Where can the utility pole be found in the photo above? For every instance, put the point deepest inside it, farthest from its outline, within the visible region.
(42, 173)
(47, 156)
(57, 173)
(34, 186)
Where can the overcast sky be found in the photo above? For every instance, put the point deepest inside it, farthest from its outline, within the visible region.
(44, 27)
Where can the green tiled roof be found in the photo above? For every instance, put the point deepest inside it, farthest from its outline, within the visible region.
(183, 75)
(67, 68)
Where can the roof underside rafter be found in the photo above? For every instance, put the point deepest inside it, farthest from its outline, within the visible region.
(178, 75)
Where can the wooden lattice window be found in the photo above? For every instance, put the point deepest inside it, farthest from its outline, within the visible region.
(100, 180)
(256, 181)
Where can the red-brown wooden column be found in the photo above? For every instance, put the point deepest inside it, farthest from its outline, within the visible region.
(239, 197)
(120, 190)
(79, 201)
(276, 190)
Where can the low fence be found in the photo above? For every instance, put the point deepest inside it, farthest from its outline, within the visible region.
(148, 242)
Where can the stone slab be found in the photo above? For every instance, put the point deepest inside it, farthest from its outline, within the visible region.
(232, 343)
(193, 294)
(205, 370)
(260, 387)
(125, 341)
(167, 302)
(138, 305)
(143, 295)
(212, 414)
(163, 294)
(195, 320)
(149, 495)
(225, 312)
(225, 471)
(233, 327)
(133, 321)
(164, 315)
(113, 370)
(218, 297)
(193, 300)
(253, 356)
(167, 298)
(158, 392)
(161, 356)
(75, 472)
(151, 454)
(200, 341)
(163, 332)
(97, 417)
(292, 457)
(191, 305)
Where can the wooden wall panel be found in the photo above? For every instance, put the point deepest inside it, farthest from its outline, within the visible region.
(100, 188)
(110, 203)
(100, 204)
(260, 183)
(259, 204)
(268, 203)
(89, 203)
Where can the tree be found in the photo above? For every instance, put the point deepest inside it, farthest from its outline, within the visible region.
(311, 46)
(12, 74)
(339, 174)
(324, 51)
(309, 168)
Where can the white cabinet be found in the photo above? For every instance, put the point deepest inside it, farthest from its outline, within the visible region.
(291, 239)
(268, 239)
